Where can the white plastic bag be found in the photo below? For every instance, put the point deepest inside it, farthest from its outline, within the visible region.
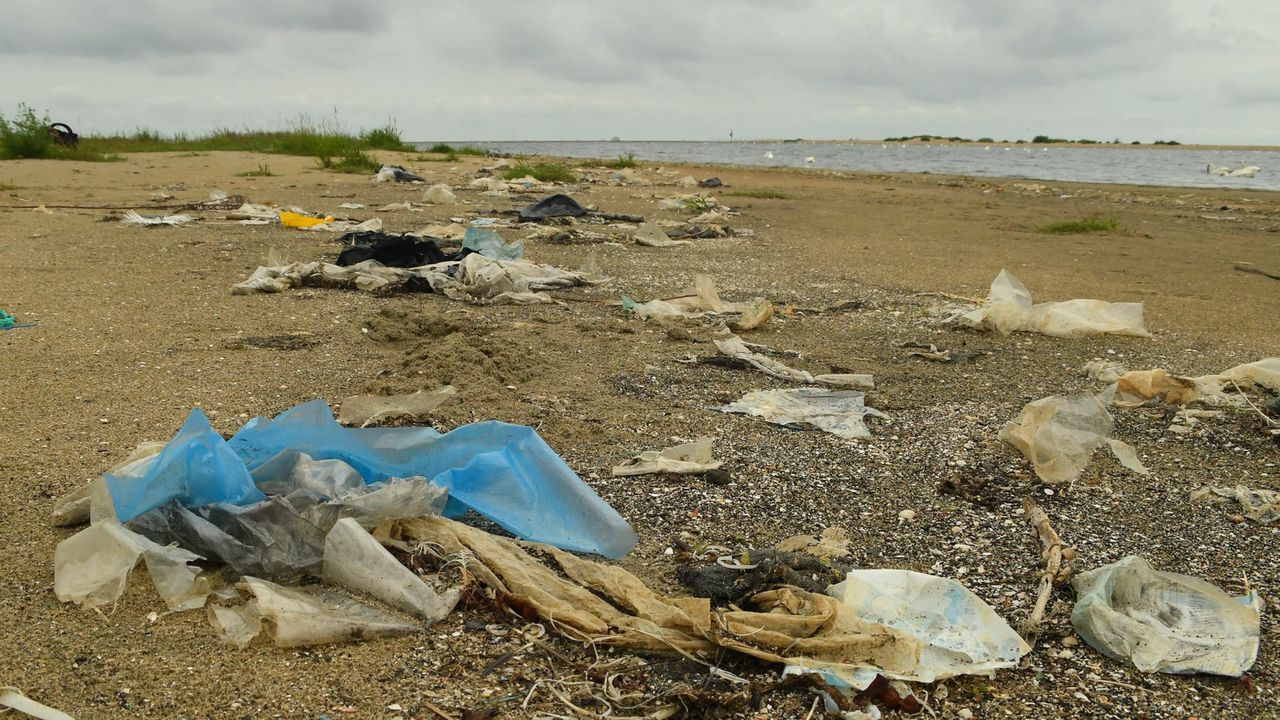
(1165, 622)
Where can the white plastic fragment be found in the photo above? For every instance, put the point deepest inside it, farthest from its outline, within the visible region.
(317, 616)
(839, 412)
(131, 217)
(1009, 309)
(731, 345)
(12, 698)
(366, 410)
(91, 568)
(439, 194)
(686, 459)
(1059, 434)
(356, 561)
(238, 625)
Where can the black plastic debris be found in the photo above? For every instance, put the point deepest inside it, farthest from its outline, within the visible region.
(398, 174)
(403, 251)
(558, 205)
(713, 182)
(62, 134)
(725, 584)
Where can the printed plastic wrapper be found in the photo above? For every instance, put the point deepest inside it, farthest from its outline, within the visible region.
(1059, 435)
(839, 412)
(1009, 309)
(505, 472)
(1165, 622)
(960, 634)
(354, 560)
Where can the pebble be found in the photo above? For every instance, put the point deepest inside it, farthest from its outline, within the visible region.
(965, 714)
(718, 477)
(906, 516)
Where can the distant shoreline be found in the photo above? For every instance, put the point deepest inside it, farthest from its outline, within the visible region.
(1064, 145)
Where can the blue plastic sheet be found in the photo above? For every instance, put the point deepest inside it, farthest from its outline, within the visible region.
(197, 468)
(505, 472)
(491, 244)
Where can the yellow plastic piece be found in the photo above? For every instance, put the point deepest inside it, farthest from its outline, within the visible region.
(294, 220)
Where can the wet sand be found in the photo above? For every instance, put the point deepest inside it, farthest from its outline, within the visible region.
(135, 326)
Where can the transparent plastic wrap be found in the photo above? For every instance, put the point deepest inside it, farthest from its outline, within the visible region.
(1165, 622)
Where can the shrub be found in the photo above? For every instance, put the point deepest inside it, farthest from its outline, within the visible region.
(1085, 225)
(543, 171)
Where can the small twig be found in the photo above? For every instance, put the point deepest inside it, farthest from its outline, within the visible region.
(1057, 563)
(949, 296)
(812, 708)
(1255, 407)
(1119, 684)
(441, 713)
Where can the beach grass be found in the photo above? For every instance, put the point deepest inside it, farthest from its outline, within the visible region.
(1083, 225)
(447, 149)
(541, 171)
(263, 170)
(350, 160)
(26, 135)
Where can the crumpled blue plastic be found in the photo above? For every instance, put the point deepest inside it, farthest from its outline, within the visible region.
(197, 467)
(505, 472)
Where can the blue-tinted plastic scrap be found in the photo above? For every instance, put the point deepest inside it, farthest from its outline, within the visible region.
(505, 472)
(197, 467)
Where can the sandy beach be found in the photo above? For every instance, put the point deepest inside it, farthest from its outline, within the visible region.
(136, 326)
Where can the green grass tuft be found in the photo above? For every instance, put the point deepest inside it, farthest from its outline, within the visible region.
(352, 160)
(627, 161)
(543, 171)
(27, 136)
(1084, 225)
(759, 194)
(263, 170)
(6, 186)
(447, 149)
(386, 137)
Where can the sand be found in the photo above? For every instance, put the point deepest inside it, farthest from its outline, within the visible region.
(135, 326)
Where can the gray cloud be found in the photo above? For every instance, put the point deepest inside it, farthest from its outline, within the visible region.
(1194, 69)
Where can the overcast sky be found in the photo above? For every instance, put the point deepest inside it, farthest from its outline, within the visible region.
(1192, 70)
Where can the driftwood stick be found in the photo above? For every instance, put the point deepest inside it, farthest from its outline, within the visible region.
(1057, 563)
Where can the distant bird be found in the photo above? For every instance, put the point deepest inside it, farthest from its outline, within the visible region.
(1245, 171)
(768, 154)
(904, 146)
(1026, 150)
(1044, 149)
(1007, 148)
(1220, 170)
(810, 160)
(884, 146)
(987, 147)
